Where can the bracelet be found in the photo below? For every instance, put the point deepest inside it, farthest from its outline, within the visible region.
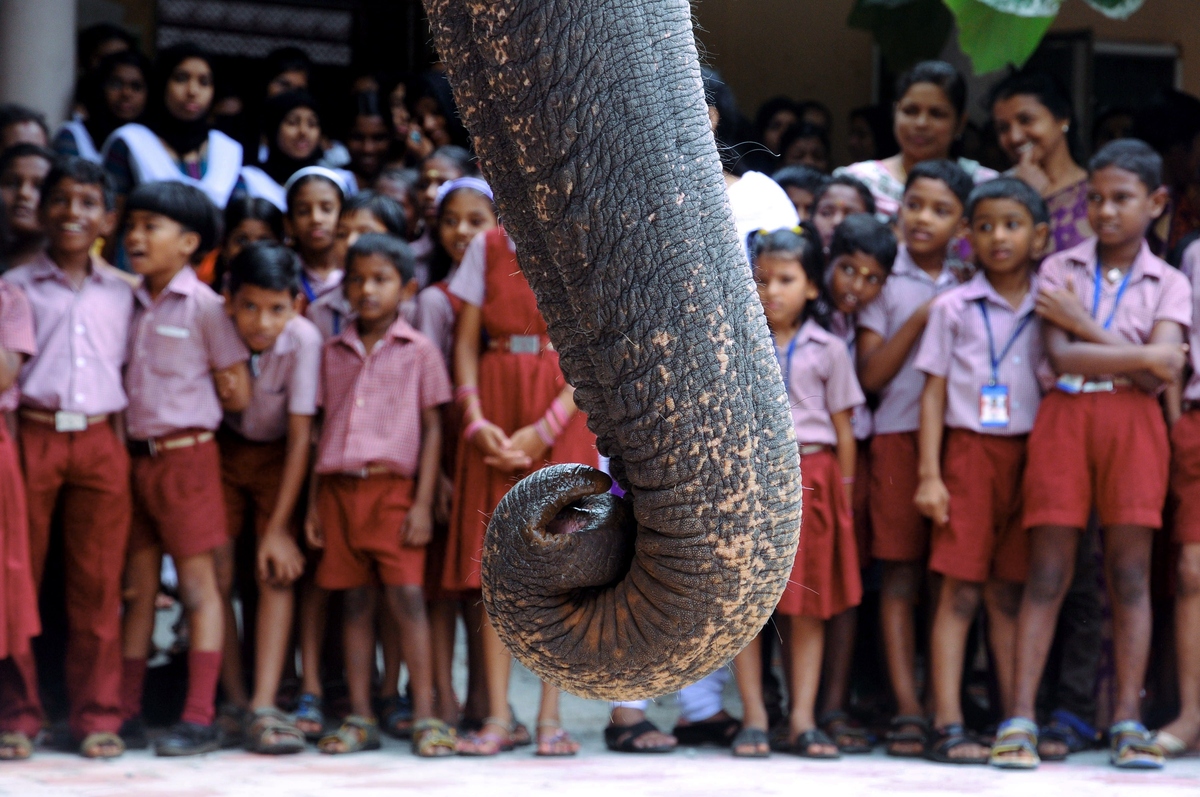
(847, 480)
(544, 432)
(559, 412)
(473, 427)
(466, 394)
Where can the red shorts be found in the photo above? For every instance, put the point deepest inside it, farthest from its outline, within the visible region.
(862, 502)
(984, 538)
(177, 500)
(250, 477)
(825, 579)
(1109, 450)
(362, 519)
(1185, 477)
(899, 532)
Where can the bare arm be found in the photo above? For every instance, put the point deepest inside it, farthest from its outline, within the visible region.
(234, 387)
(880, 360)
(847, 449)
(1163, 357)
(278, 558)
(418, 525)
(10, 368)
(932, 499)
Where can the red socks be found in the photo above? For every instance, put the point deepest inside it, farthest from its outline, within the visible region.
(204, 671)
(133, 678)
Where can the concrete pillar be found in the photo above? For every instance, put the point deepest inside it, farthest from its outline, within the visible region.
(37, 55)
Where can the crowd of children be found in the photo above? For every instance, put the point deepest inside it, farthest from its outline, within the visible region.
(304, 384)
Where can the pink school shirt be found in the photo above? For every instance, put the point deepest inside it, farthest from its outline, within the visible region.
(82, 338)
(315, 287)
(845, 327)
(1156, 292)
(435, 319)
(955, 347)
(332, 311)
(1190, 268)
(285, 383)
(906, 289)
(373, 401)
(178, 340)
(821, 382)
(16, 334)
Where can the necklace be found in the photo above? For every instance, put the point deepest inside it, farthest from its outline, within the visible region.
(1113, 275)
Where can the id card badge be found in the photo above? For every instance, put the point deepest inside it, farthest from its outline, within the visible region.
(993, 407)
(1070, 383)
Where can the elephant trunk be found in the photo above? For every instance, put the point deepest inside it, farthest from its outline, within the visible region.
(590, 123)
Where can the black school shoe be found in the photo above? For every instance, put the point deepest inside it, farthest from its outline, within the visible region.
(133, 733)
(188, 738)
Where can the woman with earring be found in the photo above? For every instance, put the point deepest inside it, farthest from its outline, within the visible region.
(1033, 119)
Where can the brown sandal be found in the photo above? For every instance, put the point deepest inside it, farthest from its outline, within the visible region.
(15, 746)
(433, 738)
(102, 745)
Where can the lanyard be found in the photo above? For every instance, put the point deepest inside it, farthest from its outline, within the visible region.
(308, 291)
(786, 365)
(1116, 301)
(1016, 333)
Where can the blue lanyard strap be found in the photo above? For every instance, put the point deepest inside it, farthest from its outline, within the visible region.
(1016, 333)
(308, 291)
(1116, 301)
(786, 365)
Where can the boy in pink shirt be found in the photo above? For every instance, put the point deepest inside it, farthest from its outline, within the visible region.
(20, 709)
(186, 365)
(1115, 318)
(71, 401)
(979, 354)
(264, 464)
(382, 387)
(931, 219)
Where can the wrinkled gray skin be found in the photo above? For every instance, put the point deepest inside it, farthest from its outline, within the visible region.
(590, 122)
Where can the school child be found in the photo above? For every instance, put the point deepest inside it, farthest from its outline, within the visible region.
(1115, 319)
(22, 125)
(314, 203)
(520, 415)
(841, 196)
(176, 143)
(382, 386)
(186, 364)
(465, 210)
(889, 330)
(23, 167)
(802, 184)
(112, 94)
(1180, 735)
(264, 465)
(20, 708)
(979, 354)
(861, 256)
(293, 134)
(825, 582)
(247, 220)
(71, 398)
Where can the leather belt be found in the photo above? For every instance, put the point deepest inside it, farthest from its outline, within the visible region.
(367, 471)
(814, 448)
(155, 446)
(521, 344)
(63, 421)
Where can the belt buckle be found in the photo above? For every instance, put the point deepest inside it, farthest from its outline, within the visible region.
(70, 421)
(1105, 386)
(524, 344)
(152, 447)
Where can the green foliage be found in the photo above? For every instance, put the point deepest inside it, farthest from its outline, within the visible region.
(993, 39)
(907, 31)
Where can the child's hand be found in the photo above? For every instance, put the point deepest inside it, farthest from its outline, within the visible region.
(1166, 360)
(314, 535)
(490, 440)
(279, 560)
(922, 312)
(933, 500)
(226, 384)
(528, 440)
(418, 526)
(443, 499)
(1062, 308)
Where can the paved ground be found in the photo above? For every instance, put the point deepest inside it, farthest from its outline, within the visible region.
(595, 771)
